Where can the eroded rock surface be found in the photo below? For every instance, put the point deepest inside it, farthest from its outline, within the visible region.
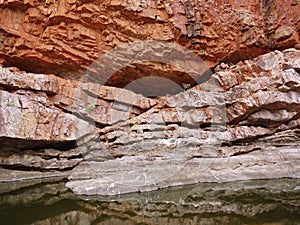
(65, 37)
(46, 117)
(243, 123)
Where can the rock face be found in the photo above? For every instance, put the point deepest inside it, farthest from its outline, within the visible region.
(140, 95)
(65, 37)
(198, 136)
(42, 115)
(243, 123)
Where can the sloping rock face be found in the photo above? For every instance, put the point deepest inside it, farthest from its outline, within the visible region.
(65, 37)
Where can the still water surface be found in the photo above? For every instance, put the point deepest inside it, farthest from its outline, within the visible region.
(268, 202)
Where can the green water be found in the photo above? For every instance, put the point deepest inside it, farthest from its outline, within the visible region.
(271, 202)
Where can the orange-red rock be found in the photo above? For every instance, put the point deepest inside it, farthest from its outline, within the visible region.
(65, 37)
(53, 122)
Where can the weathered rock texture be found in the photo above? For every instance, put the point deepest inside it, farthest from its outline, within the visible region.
(243, 123)
(47, 117)
(196, 136)
(223, 122)
(65, 37)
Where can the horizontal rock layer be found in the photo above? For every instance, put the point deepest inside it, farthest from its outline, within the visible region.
(140, 174)
(47, 117)
(237, 104)
(243, 123)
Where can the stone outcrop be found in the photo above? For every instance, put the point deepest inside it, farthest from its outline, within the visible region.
(43, 116)
(65, 37)
(243, 123)
(237, 126)
(126, 96)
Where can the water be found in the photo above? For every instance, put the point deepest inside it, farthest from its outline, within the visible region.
(268, 202)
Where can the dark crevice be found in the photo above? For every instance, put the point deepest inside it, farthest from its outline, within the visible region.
(246, 54)
(172, 123)
(112, 139)
(226, 144)
(21, 144)
(297, 69)
(157, 83)
(15, 5)
(72, 157)
(9, 88)
(74, 71)
(134, 141)
(90, 120)
(63, 109)
(12, 89)
(35, 169)
(246, 141)
(206, 76)
(247, 152)
(297, 116)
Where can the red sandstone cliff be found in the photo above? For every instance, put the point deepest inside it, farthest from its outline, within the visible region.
(239, 121)
(65, 37)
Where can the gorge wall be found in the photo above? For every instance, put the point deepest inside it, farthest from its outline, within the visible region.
(65, 37)
(236, 119)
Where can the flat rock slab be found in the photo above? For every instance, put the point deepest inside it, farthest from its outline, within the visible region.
(133, 174)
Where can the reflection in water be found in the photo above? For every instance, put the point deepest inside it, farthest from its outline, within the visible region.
(252, 202)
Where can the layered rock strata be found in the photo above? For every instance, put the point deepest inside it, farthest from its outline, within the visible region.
(243, 123)
(42, 116)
